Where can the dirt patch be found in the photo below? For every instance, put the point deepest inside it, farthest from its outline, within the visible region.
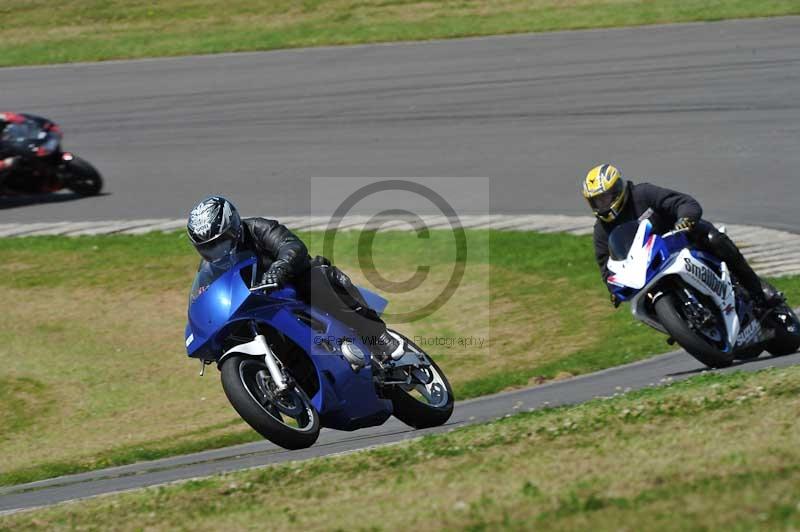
(22, 400)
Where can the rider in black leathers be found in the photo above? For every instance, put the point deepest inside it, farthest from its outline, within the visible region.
(9, 157)
(616, 201)
(216, 230)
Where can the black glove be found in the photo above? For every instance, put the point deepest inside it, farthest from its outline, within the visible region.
(685, 224)
(277, 274)
(615, 301)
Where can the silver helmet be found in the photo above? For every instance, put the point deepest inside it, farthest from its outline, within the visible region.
(214, 228)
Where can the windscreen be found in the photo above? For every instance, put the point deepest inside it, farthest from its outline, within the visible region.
(208, 272)
(621, 240)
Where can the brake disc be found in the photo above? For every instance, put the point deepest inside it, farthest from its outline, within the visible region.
(423, 375)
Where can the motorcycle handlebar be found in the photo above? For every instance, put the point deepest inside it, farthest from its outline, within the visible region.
(265, 287)
(675, 232)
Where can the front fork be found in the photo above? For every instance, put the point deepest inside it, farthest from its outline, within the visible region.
(278, 378)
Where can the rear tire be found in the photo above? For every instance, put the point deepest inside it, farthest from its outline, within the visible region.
(676, 326)
(787, 331)
(84, 179)
(234, 373)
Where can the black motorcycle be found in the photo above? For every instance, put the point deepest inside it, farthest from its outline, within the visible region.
(39, 165)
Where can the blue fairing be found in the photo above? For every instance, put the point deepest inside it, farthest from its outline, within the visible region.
(374, 301)
(346, 399)
(663, 250)
(708, 259)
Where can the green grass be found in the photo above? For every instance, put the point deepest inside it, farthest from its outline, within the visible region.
(37, 31)
(174, 445)
(93, 348)
(715, 452)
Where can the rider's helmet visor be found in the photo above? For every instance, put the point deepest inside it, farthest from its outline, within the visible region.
(608, 200)
(218, 248)
(603, 201)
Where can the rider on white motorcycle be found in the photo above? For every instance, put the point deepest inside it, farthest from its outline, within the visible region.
(615, 201)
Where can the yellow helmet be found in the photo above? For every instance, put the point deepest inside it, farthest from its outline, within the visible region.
(605, 191)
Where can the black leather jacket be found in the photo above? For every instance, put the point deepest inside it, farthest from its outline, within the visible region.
(272, 241)
(666, 207)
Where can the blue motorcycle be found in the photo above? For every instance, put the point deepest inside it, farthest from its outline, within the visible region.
(289, 369)
(694, 298)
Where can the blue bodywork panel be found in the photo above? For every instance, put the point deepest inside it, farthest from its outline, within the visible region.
(661, 254)
(346, 399)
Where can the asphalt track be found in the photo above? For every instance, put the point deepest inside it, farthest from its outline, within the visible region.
(709, 108)
(651, 372)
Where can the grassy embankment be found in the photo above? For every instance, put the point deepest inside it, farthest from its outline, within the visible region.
(36, 31)
(94, 372)
(713, 453)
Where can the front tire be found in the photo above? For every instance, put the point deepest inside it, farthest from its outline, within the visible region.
(749, 353)
(666, 308)
(422, 406)
(290, 421)
(83, 178)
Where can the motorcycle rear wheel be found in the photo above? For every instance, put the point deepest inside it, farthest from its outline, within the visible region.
(290, 421)
(674, 322)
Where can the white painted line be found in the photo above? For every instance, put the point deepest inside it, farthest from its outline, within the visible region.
(111, 228)
(513, 222)
(41, 229)
(163, 226)
(64, 230)
(778, 271)
(303, 223)
(787, 248)
(785, 261)
(581, 232)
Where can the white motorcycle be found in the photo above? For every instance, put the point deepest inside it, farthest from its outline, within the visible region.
(692, 297)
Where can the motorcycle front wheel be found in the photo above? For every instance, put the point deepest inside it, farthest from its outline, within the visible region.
(423, 405)
(82, 178)
(287, 418)
(667, 309)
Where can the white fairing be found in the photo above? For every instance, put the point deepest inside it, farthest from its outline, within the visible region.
(253, 348)
(632, 273)
(259, 347)
(705, 280)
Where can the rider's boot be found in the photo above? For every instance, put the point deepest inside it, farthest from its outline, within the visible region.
(772, 296)
(765, 296)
